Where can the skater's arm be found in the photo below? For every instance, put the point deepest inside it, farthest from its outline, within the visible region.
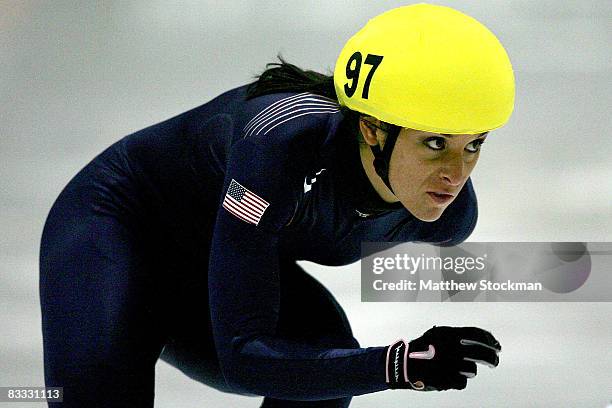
(244, 299)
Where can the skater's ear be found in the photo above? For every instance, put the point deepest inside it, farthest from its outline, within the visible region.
(371, 130)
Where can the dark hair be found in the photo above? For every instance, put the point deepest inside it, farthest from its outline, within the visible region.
(286, 77)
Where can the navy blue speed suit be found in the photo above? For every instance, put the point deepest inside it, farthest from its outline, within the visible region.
(180, 242)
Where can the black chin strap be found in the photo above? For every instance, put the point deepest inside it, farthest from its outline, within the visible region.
(382, 157)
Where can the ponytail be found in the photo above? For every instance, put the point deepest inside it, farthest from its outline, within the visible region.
(285, 77)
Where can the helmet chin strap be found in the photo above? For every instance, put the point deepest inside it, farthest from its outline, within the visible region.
(382, 157)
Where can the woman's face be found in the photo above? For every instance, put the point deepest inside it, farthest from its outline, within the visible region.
(428, 170)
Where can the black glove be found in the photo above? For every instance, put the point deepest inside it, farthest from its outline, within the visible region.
(441, 359)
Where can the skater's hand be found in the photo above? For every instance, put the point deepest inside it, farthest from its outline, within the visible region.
(443, 358)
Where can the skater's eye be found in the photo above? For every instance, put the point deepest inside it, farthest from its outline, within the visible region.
(474, 147)
(435, 143)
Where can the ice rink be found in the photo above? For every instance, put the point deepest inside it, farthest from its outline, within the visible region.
(74, 78)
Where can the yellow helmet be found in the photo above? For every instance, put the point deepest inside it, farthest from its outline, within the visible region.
(427, 67)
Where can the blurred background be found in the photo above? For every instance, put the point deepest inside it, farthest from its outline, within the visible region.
(77, 76)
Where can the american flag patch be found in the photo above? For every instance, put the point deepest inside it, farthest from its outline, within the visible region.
(244, 204)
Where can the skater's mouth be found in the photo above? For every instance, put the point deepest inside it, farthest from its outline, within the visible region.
(440, 197)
